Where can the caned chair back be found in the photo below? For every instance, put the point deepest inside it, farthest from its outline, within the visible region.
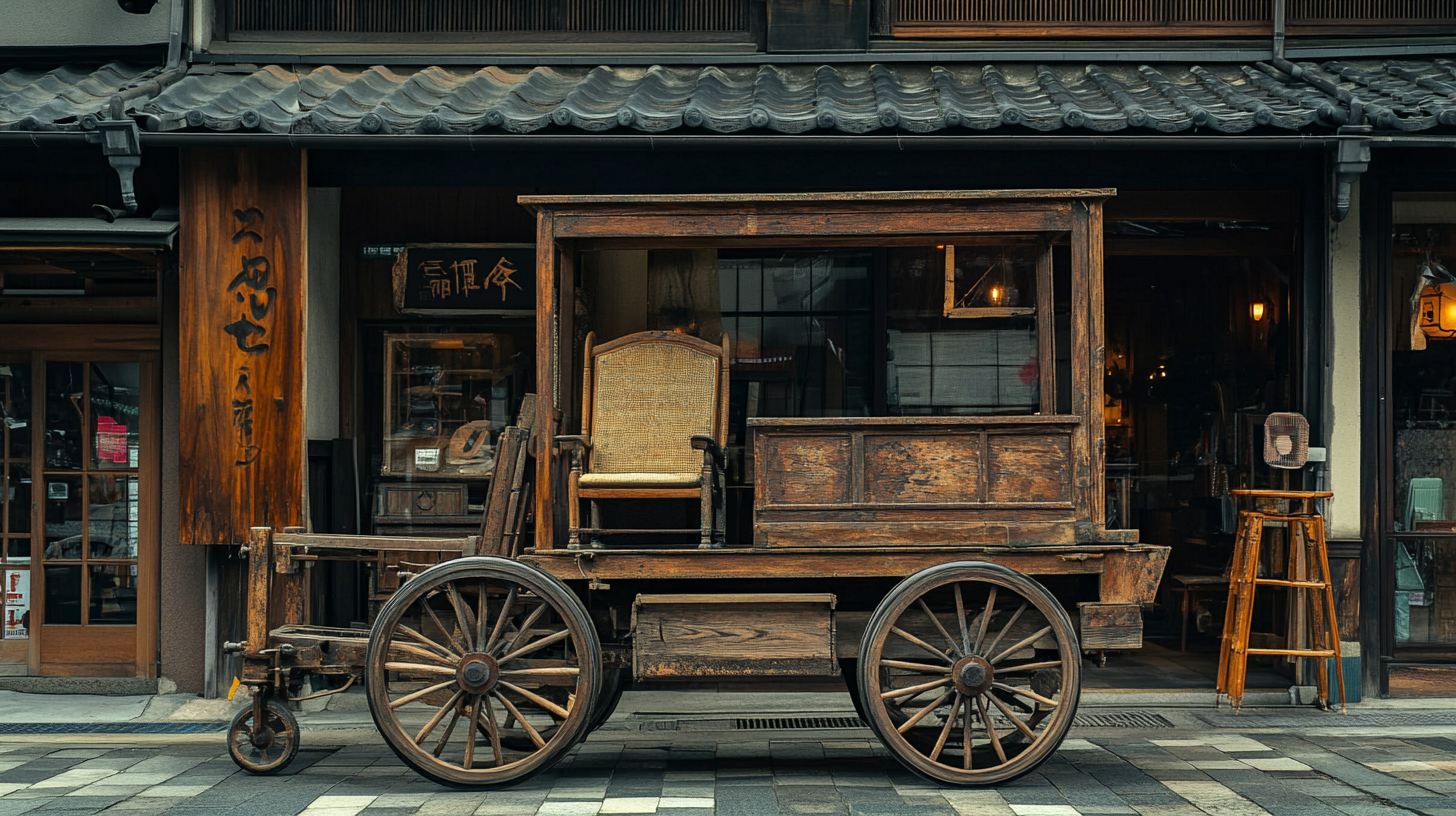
(646, 395)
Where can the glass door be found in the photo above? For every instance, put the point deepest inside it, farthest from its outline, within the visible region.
(92, 500)
(16, 482)
(1421, 535)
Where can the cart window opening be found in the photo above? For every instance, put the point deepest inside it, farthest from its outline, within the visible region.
(962, 335)
(799, 320)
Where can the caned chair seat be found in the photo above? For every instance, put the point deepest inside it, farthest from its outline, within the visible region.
(663, 481)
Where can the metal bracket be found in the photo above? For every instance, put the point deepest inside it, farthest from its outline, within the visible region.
(121, 144)
(1352, 158)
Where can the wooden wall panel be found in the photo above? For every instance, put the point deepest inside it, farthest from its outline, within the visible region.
(1421, 681)
(922, 468)
(242, 300)
(809, 470)
(1029, 468)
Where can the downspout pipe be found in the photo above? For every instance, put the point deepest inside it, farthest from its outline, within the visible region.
(1280, 23)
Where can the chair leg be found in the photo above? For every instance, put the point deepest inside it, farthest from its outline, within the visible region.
(705, 512)
(1334, 627)
(720, 516)
(1239, 648)
(594, 541)
(573, 513)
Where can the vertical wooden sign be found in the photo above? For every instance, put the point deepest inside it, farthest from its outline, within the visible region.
(243, 295)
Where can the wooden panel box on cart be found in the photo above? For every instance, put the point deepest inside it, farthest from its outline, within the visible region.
(895, 547)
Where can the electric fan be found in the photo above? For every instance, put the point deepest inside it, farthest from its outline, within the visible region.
(1286, 441)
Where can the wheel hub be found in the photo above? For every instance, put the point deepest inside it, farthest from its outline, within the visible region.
(973, 675)
(478, 673)
(261, 737)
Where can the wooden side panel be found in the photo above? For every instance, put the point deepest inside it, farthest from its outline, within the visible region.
(810, 469)
(1029, 467)
(1110, 626)
(243, 298)
(1132, 575)
(903, 468)
(964, 532)
(756, 638)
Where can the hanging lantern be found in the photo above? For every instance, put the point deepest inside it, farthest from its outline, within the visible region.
(1256, 310)
(1437, 310)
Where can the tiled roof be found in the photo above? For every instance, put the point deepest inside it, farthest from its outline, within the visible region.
(858, 98)
(56, 99)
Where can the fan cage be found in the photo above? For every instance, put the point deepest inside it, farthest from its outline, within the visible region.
(1286, 441)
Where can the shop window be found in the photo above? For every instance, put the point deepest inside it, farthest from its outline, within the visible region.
(444, 396)
(1423, 411)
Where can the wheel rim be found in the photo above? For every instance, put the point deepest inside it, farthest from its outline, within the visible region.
(270, 747)
(970, 655)
(481, 675)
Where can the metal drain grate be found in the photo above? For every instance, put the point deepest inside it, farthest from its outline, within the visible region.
(785, 723)
(1313, 718)
(1109, 719)
(1121, 719)
(755, 724)
(112, 728)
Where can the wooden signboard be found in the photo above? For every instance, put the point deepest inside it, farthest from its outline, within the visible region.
(243, 295)
(446, 279)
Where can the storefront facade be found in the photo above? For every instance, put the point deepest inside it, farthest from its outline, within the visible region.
(352, 320)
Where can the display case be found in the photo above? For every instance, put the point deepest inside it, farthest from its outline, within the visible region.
(446, 399)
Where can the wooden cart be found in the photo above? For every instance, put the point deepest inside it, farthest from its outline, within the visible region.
(896, 552)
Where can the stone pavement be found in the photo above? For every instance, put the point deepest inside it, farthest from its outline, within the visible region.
(648, 759)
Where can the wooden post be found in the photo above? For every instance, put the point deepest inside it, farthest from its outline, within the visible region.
(1082, 407)
(1096, 370)
(547, 392)
(260, 564)
(243, 299)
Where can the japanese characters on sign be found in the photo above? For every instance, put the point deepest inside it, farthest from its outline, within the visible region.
(255, 298)
(465, 278)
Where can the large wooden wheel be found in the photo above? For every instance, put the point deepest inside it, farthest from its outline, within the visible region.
(970, 672)
(482, 671)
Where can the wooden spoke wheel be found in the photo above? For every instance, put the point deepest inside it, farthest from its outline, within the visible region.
(268, 749)
(970, 672)
(482, 672)
(614, 682)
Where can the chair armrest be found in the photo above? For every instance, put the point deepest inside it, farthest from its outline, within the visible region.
(575, 442)
(710, 445)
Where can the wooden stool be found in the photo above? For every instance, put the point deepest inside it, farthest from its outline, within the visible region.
(1324, 634)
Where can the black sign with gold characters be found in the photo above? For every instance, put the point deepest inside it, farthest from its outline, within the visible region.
(465, 279)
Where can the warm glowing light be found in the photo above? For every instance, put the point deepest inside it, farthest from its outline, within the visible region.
(996, 295)
(1437, 316)
(1256, 310)
(940, 246)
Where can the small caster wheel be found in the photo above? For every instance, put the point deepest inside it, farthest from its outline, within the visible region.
(268, 749)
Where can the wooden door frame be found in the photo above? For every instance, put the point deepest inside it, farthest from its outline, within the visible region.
(103, 343)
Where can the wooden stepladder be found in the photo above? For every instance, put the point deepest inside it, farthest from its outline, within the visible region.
(1307, 573)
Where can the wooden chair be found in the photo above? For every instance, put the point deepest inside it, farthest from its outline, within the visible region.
(654, 419)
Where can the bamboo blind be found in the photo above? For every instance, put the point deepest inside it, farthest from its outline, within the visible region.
(483, 16)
